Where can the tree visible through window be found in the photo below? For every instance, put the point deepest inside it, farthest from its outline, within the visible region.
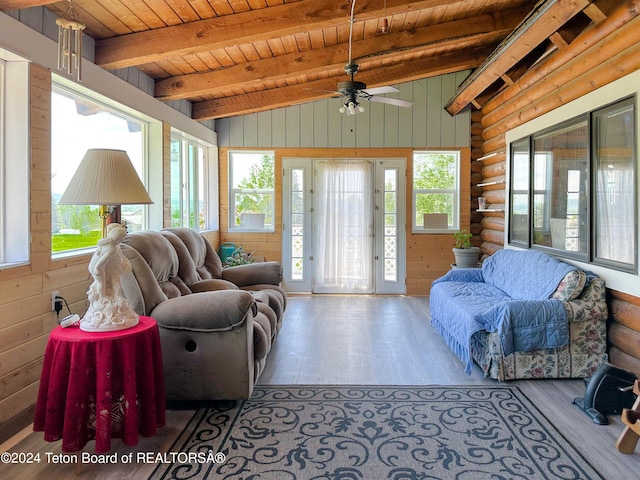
(435, 190)
(252, 193)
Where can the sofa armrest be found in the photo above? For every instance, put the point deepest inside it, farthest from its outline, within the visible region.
(591, 305)
(461, 275)
(206, 311)
(254, 273)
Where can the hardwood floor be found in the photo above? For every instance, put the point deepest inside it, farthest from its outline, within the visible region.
(368, 340)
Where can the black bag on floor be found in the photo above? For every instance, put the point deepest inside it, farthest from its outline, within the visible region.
(609, 391)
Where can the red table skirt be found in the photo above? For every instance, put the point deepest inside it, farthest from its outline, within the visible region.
(101, 385)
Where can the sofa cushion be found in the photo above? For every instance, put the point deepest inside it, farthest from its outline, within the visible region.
(162, 259)
(261, 336)
(140, 286)
(571, 286)
(206, 312)
(525, 274)
(186, 268)
(206, 260)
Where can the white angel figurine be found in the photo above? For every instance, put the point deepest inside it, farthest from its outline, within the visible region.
(108, 307)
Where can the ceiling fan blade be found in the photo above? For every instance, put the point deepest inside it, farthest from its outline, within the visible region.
(322, 90)
(379, 90)
(392, 101)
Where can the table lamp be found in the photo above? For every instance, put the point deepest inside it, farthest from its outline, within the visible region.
(107, 178)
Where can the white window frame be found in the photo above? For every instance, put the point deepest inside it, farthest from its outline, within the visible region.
(3, 227)
(64, 85)
(14, 161)
(455, 192)
(268, 228)
(200, 188)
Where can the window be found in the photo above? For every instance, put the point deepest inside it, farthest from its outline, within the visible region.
(436, 196)
(391, 225)
(3, 179)
(296, 222)
(188, 175)
(79, 122)
(519, 224)
(252, 191)
(14, 160)
(582, 188)
(561, 184)
(614, 184)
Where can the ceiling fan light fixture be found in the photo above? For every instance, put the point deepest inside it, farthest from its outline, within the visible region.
(353, 90)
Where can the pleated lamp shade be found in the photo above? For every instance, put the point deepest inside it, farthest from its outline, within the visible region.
(105, 177)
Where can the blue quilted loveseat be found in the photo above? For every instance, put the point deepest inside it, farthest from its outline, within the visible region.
(524, 314)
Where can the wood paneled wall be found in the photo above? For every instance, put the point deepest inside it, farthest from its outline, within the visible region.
(428, 256)
(320, 124)
(600, 55)
(25, 292)
(317, 130)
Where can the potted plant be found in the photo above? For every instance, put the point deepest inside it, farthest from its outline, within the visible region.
(466, 255)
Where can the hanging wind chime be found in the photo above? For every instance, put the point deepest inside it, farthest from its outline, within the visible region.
(70, 42)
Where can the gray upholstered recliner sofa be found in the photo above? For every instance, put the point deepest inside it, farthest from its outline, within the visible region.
(201, 270)
(214, 343)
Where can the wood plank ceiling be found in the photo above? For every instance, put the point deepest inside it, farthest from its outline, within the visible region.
(233, 57)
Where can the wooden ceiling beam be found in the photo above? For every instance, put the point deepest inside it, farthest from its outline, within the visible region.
(306, 92)
(536, 28)
(476, 31)
(594, 13)
(220, 32)
(557, 39)
(17, 4)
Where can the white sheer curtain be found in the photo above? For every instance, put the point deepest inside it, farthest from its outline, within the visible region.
(344, 226)
(615, 216)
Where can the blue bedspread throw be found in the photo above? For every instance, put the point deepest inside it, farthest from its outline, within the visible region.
(525, 325)
(509, 295)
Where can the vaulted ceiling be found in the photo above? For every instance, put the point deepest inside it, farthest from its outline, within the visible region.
(232, 57)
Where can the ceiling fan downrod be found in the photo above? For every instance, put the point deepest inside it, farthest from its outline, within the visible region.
(349, 89)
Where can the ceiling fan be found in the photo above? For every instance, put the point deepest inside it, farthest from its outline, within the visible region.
(352, 90)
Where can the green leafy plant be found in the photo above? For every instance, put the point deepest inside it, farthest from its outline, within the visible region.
(462, 239)
(239, 257)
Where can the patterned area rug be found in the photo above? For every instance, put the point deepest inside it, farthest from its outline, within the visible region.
(368, 433)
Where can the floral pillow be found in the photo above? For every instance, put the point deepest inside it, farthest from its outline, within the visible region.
(571, 286)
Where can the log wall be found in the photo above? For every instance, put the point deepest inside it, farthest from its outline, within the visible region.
(601, 54)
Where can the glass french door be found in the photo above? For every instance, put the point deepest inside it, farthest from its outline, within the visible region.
(343, 225)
